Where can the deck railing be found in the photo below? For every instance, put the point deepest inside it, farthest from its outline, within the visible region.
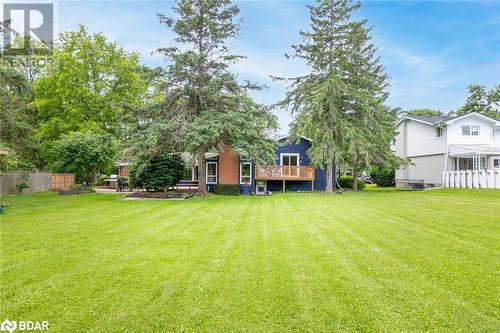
(276, 172)
(472, 179)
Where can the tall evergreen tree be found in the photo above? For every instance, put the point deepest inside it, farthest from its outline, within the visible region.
(339, 104)
(206, 105)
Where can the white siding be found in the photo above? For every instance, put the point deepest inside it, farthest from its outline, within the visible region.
(455, 132)
(496, 137)
(400, 140)
(422, 140)
(428, 168)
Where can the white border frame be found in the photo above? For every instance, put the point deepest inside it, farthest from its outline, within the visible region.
(216, 172)
(290, 154)
(241, 167)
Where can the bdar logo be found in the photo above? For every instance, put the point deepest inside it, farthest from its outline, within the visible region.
(8, 325)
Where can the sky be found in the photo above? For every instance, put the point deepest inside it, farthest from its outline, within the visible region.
(432, 50)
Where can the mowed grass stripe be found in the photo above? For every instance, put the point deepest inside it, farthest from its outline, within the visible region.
(371, 245)
(378, 260)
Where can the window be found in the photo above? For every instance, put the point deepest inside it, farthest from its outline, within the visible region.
(194, 174)
(439, 132)
(290, 159)
(468, 163)
(470, 130)
(245, 172)
(474, 130)
(211, 172)
(496, 163)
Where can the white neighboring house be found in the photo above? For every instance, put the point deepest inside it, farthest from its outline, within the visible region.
(460, 151)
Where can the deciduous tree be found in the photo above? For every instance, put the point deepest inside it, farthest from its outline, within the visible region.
(17, 116)
(86, 154)
(424, 112)
(482, 101)
(89, 85)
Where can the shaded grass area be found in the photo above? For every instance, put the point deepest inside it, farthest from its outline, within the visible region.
(369, 261)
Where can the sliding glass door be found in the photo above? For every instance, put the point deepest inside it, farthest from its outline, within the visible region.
(289, 163)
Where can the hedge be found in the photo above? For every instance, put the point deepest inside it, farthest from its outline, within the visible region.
(345, 183)
(383, 177)
(227, 189)
(157, 174)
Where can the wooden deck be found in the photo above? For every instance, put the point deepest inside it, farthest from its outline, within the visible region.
(284, 173)
(276, 172)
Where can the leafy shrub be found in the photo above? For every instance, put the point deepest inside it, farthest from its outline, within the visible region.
(2, 206)
(82, 188)
(227, 189)
(345, 182)
(383, 177)
(101, 180)
(22, 182)
(158, 174)
(85, 154)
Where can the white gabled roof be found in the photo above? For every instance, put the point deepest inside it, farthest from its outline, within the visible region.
(439, 120)
(482, 116)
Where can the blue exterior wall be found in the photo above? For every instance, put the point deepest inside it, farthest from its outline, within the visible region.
(301, 148)
(296, 147)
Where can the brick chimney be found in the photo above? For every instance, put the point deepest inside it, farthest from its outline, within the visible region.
(228, 165)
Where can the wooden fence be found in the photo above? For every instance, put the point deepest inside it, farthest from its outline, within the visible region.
(62, 180)
(38, 181)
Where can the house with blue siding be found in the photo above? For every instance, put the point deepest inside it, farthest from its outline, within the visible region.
(291, 171)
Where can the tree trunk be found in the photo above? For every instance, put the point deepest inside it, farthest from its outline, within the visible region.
(355, 171)
(329, 177)
(202, 174)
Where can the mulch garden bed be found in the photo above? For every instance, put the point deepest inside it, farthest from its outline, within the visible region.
(173, 195)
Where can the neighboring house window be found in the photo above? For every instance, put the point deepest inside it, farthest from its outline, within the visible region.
(245, 172)
(496, 163)
(470, 130)
(468, 163)
(393, 142)
(439, 132)
(211, 172)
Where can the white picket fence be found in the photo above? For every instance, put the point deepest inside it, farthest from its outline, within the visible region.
(472, 179)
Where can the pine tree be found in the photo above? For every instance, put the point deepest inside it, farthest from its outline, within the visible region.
(339, 104)
(205, 105)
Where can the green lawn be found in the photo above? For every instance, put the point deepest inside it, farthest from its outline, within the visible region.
(372, 261)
